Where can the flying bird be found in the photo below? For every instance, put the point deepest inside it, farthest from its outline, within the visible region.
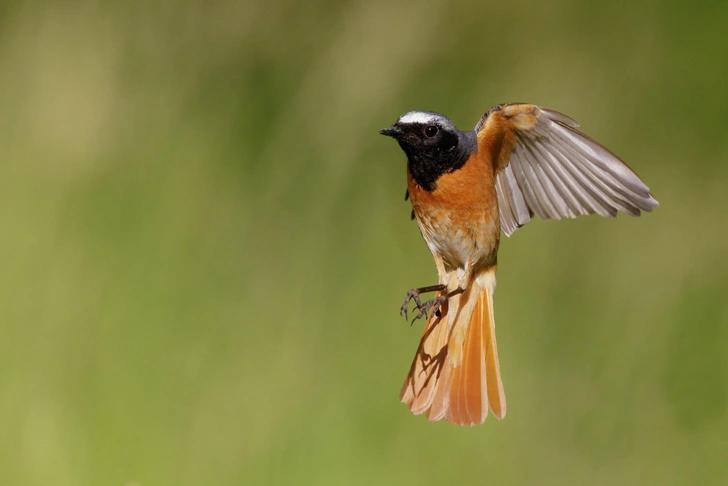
(466, 187)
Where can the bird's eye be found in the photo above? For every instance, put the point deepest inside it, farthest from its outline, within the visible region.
(431, 130)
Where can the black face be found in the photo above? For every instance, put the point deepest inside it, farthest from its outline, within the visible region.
(433, 145)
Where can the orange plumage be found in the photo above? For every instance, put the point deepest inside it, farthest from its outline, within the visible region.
(459, 223)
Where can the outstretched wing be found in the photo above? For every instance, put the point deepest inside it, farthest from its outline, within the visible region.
(544, 166)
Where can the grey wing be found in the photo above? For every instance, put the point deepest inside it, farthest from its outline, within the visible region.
(555, 172)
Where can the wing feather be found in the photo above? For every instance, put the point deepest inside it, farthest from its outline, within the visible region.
(599, 202)
(609, 188)
(550, 169)
(567, 191)
(565, 170)
(516, 212)
(519, 169)
(557, 207)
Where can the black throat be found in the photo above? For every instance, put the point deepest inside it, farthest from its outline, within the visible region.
(427, 164)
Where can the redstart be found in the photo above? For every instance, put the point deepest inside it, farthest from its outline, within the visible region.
(467, 187)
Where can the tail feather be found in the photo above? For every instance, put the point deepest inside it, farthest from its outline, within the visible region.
(468, 390)
(496, 395)
(459, 390)
(426, 372)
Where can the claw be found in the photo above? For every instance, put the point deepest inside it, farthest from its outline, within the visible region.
(404, 308)
(433, 304)
(414, 294)
(411, 294)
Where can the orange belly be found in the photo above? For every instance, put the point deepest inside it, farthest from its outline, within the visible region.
(459, 218)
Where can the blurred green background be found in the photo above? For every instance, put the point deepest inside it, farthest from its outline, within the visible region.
(204, 244)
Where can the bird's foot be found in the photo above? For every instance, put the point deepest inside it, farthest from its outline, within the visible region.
(433, 305)
(414, 294)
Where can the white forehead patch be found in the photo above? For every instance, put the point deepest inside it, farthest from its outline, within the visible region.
(422, 117)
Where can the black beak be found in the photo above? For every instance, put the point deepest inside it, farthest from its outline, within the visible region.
(393, 131)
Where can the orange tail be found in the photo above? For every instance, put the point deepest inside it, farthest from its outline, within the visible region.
(455, 374)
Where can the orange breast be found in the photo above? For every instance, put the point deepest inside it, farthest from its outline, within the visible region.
(459, 218)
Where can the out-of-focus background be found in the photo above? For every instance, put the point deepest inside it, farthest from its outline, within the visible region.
(204, 244)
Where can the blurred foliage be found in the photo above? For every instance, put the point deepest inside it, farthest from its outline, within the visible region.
(204, 244)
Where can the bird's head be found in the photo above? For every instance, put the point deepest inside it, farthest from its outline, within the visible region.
(433, 145)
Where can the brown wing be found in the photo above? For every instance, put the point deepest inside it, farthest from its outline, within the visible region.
(544, 166)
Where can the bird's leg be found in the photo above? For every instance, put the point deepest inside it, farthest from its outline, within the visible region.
(414, 294)
(436, 303)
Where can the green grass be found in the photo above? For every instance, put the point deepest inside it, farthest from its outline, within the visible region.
(204, 245)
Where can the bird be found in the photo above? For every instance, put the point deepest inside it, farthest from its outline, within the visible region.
(466, 187)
